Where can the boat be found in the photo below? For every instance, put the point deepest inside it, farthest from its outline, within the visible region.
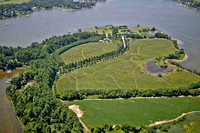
(26, 15)
(9, 71)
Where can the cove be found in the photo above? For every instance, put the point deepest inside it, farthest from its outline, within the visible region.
(8, 121)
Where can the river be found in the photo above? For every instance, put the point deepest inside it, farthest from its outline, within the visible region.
(8, 120)
(172, 18)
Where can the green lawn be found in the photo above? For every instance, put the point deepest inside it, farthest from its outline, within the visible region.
(134, 111)
(13, 2)
(87, 50)
(126, 71)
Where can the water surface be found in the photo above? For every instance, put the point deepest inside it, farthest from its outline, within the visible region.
(172, 18)
(153, 68)
(8, 120)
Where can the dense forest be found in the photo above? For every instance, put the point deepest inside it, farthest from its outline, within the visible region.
(12, 10)
(36, 106)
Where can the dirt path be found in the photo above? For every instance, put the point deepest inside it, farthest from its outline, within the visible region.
(168, 121)
(115, 81)
(76, 82)
(79, 113)
(167, 82)
(133, 72)
(99, 82)
(83, 53)
(105, 47)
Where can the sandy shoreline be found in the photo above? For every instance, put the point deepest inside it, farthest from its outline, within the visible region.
(179, 42)
(179, 61)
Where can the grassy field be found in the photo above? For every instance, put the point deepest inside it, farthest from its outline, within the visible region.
(127, 71)
(135, 111)
(87, 50)
(13, 2)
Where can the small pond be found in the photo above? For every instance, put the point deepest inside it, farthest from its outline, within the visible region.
(152, 67)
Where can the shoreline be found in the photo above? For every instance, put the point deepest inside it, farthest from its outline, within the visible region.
(29, 12)
(179, 61)
(15, 124)
(179, 42)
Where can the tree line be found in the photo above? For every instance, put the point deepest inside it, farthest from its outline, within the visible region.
(191, 3)
(180, 66)
(12, 10)
(122, 93)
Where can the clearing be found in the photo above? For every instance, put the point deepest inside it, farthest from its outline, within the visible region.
(126, 71)
(88, 50)
(134, 111)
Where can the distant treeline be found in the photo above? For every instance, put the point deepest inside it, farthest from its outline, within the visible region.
(122, 93)
(12, 10)
(190, 3)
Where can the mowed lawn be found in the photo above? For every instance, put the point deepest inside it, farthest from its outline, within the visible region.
(127, 71)
(87, 50)
(135, 111)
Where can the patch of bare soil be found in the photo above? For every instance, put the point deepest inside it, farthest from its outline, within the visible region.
(75, 109)
(79, 113)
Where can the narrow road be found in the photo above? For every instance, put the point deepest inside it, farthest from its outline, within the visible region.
(79, 113)
(123, 41)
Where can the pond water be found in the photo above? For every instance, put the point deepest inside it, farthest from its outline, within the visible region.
(170, 17)
(8, 120)
(153, 68)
